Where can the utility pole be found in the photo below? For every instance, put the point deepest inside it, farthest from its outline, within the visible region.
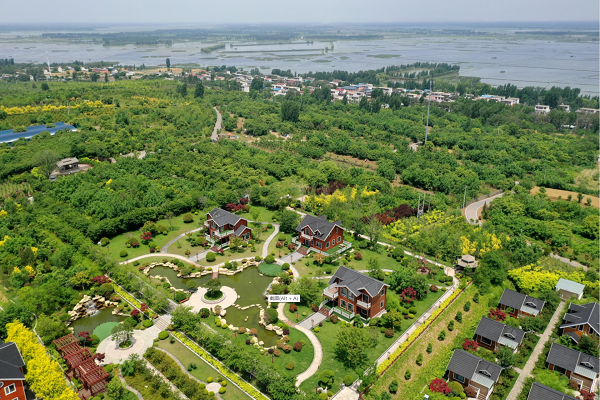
(419, 206)
(428, 104)
(465, 197)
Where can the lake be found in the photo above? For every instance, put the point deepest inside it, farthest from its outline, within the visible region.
(542, 63)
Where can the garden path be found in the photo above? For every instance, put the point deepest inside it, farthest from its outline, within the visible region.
(346, 393)
(316, 362)
(215, 133)
(295, 256)
(132, 390)
(166, 246)
(166, 255)
(187, 372)
(197, 301)
(265, 251)
(535, 354)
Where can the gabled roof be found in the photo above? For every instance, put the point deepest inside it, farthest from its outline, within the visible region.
(542, 392)
(319, 226)
(583, 314)
(474, 368)
(11, 362)
(222, 217)
(570, 286)
(499, 332)
(522, 302)
(355, 281)
(573, 360)
(241, 230)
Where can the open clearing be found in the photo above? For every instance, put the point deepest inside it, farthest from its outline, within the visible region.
(564, 194)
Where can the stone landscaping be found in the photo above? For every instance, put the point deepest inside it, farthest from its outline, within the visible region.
(80, 310)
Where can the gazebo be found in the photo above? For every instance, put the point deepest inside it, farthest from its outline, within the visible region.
(467, 261)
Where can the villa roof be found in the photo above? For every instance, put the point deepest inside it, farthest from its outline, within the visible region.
(67, 161)
(573, 360)
(474, 368)
(11, 362)
(542, 392)
(499, 332)
(222, 217)
(583, 314)
(319, 226)
(356, 281)
(570, 286)
(522, 302)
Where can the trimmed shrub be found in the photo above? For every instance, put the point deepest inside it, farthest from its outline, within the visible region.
(270, 259)
(393, 388)
(123, 253)
(442, 336)
(293, 307)
(362, 244)
(458, 317)
(277, 352)
(285, 266)
(210, 256)
(358, 256)
(420, 359)
(334, 319)
(476, 298)
(290, 366)
(222, 390)
(298, 346)
(323, 396)
(209, 379)
(147, 323)
(104, 241)
(257, 258)
(429, 348)
(187, 218)
(467, 306)
(348, 380)
(287, 348)
(316, 330)
(470, 391)
(451, 326)
(389, 333)
(433, 288)
(180, 296)
(163, 335)
(407, 375)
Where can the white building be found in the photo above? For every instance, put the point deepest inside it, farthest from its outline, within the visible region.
(541, 109)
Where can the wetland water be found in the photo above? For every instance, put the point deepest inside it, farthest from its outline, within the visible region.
(542, 63)
(249, 285)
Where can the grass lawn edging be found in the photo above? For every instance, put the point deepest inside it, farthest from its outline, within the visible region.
(383, 367)
(219, 367)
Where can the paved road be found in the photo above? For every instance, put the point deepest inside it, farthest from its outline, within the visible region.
(215, 134)
(265, 251)
(472, 209)
(526, 372)
(316, 362)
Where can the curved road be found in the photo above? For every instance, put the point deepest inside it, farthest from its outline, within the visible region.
(166, 246)
(215, 134)
(472, 209)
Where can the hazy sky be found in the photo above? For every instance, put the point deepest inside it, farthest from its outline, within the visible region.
(307, 11)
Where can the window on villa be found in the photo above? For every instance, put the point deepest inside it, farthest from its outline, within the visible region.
(343, 304)
(486, 341)
(326, 244)
(351, 307)
(319, 244)
(344, 292)
(382, 291)
(459, 378)
(580, 328)
(339, 239)
(350, 295)
(336, 230)
(381, 305)
(560, 370)
(365, 298)
(485, 373)
(10, 389)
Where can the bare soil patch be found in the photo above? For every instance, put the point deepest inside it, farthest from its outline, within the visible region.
(564, 194)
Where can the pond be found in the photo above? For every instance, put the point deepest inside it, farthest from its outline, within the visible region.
(99, 324)
(249, 285)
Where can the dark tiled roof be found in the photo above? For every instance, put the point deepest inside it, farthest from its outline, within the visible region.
(320, 227)
(355, 281)
(494, 330)
(240, 230)
(10, 362)
(570, 359)
(583, 314)
(472, 367)
(222, 217)
(517, 300)
(542, 392)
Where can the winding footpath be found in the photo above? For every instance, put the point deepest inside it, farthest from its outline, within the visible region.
(472, 210)
(215, 134)
(165, 248)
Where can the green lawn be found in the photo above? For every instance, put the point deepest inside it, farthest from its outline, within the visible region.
(176, 226)
(283, 251)
(270, 269)
(266, 215)
(301, 309)
(203, 370)
(230, 255)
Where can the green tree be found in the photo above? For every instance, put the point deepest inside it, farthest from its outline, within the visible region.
(393, 319)
(168, 61)
(290, 111)
(114, 389)
(506, 358)
(326, 378)
(288, 220)
(308, 289)
(45, 86)
(46, 161)
(182, 89)
(213, 285)
(352, 345)
(385, 169)
(199, 91)
(374, 268)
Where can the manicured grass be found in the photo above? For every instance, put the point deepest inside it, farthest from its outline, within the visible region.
(203, 370)
(434, 364)
(139, 383)
(328, 337)
(231, 255)
(270, 269)
(266, 215)
(283, 251)
(301, 309)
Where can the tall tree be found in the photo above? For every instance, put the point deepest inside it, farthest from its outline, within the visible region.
(199, 91)
(290, 111)
(168, 61)
(46, 161)
(351, 346)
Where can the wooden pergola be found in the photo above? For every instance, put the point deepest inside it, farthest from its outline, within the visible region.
(68, 349)
(93, 379)
(79, 357)
(64, 341)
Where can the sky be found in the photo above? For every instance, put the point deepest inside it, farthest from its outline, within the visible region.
(286, 11)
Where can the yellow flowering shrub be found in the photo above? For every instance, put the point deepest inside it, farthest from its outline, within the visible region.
(318, 203)
(4, 240)
(535, 277)
(3, 213)
(482, 241)
(29, 270)
(37, 109)
(16, 270)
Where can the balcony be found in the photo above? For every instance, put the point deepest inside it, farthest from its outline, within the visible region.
(305, 236)
(224, 233)
(207, 224)
(364, 305)
(331, 292)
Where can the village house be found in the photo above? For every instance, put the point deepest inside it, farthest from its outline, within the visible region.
(543, 392)
(588, 110)
(518, 305)
(67, 164)
(541, 109)
(492, 334)
(321, 236)
(12, 372)
(567, 288)
(354, 293)
(223, 225)
(470, 370)
(581, 320)
(577, 366)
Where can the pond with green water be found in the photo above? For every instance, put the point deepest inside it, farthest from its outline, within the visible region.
(249, 285)
(99, 324)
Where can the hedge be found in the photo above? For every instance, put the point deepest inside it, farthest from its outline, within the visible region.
(245, 386)
(130, 299)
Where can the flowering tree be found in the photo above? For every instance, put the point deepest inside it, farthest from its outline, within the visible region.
(100, 279)
(585, 395)
(408, 295)
(497, 314)
(470, 345)
(144, 307)
(146, 237)
(440, 386)
(135, 313)
(85, 335)
(99, 356)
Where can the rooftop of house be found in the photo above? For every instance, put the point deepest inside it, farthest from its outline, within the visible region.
(570, 286)
(542, 392)
(520, 301)
(222, 217)
(573, 360)
(355, 281)
(11, 362)
(583, 314)
(67, 161)
(474, 368)
(499, 332)
(319, 226)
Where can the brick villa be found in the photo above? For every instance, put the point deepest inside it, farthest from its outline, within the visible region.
(12, 372)
(518, 304)
(320, 236)
(222, 225)
(354, 293)
(581, 320)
